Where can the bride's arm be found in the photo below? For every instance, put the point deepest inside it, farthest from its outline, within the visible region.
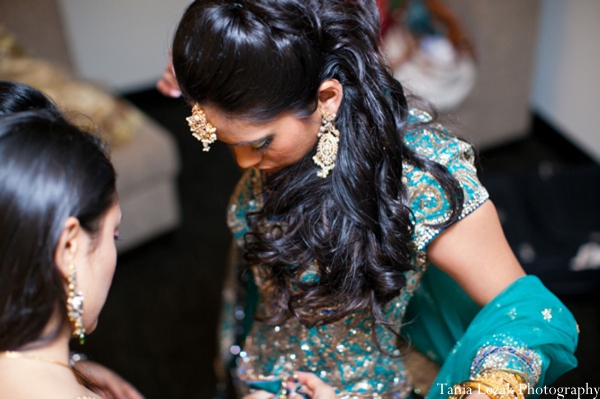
(475, 253)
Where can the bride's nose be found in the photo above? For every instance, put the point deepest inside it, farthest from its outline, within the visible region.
(246, 156)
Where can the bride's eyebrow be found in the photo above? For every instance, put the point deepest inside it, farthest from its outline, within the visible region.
(244, 143)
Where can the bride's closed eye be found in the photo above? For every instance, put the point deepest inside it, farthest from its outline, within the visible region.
(263, 145)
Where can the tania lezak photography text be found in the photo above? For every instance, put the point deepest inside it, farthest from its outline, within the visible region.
(580, 392)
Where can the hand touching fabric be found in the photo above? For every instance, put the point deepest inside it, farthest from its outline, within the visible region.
(315, 387)
(311, 385)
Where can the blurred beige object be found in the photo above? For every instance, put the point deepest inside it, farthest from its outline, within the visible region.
(488, 95)
(497, 110)
(87, 106)
(144, 154)
(434, 70)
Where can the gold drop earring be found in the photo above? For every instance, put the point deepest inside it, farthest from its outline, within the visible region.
(201, 128)
(327, 148)
(75, 305)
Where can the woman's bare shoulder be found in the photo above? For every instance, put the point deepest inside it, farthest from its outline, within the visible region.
(23, 382)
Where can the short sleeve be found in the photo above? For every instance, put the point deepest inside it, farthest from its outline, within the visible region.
(427, 199)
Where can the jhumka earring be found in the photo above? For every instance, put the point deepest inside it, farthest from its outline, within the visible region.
(327, 148)
(75, 306)
(201, 129)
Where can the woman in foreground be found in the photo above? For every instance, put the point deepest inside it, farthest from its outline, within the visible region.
(59, 218)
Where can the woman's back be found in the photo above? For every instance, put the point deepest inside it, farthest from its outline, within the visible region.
(59, 217)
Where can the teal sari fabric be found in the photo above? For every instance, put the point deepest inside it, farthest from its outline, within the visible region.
(526, 314)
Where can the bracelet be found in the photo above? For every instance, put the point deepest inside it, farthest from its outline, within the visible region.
(497, 384)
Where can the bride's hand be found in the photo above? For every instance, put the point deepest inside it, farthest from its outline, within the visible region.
(315, 387)
(312, 386)
(107, 380)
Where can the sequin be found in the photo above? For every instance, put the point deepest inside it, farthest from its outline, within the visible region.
(513, 355)
(547, 314)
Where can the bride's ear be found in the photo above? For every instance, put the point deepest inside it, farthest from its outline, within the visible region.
(68, 243)
(330, 96)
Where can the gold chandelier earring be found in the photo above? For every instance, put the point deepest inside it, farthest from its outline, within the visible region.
(75, 305)
(201, 128)
(327, 148)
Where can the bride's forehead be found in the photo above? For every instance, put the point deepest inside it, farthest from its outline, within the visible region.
(232, 129)
(235, 130)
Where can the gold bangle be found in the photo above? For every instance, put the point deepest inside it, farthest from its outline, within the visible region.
(504, 384)
(519, 375)
(461, 389)
(492, 390)
(468, 387)
(498, 384)
(517, 380)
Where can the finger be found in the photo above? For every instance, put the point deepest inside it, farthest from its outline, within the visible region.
(315, 387)
(162, 88)
(170, 79)
(310, 380)
(115, 388)
(167, 90)
(130, 392)
(120, 388)
(259, 395)
(168, 85)
(173, 85)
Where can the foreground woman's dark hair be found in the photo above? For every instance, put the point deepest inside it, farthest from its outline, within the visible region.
(49, 171)
(259, 59)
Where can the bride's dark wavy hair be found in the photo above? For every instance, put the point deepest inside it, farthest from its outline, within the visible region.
(258, 59)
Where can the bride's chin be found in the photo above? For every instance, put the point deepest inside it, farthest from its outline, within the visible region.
(271, 170)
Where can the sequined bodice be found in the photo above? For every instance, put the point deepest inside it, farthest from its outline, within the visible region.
(343, 353)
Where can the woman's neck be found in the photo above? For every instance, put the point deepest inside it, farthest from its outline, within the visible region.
(54, 353)
(41, 369)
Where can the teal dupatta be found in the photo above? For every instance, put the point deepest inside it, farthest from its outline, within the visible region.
(526, 312)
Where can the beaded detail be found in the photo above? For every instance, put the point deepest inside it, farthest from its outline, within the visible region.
(427, 199)
(516, 359)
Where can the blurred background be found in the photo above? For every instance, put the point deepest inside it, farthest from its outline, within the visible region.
(516, 78)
